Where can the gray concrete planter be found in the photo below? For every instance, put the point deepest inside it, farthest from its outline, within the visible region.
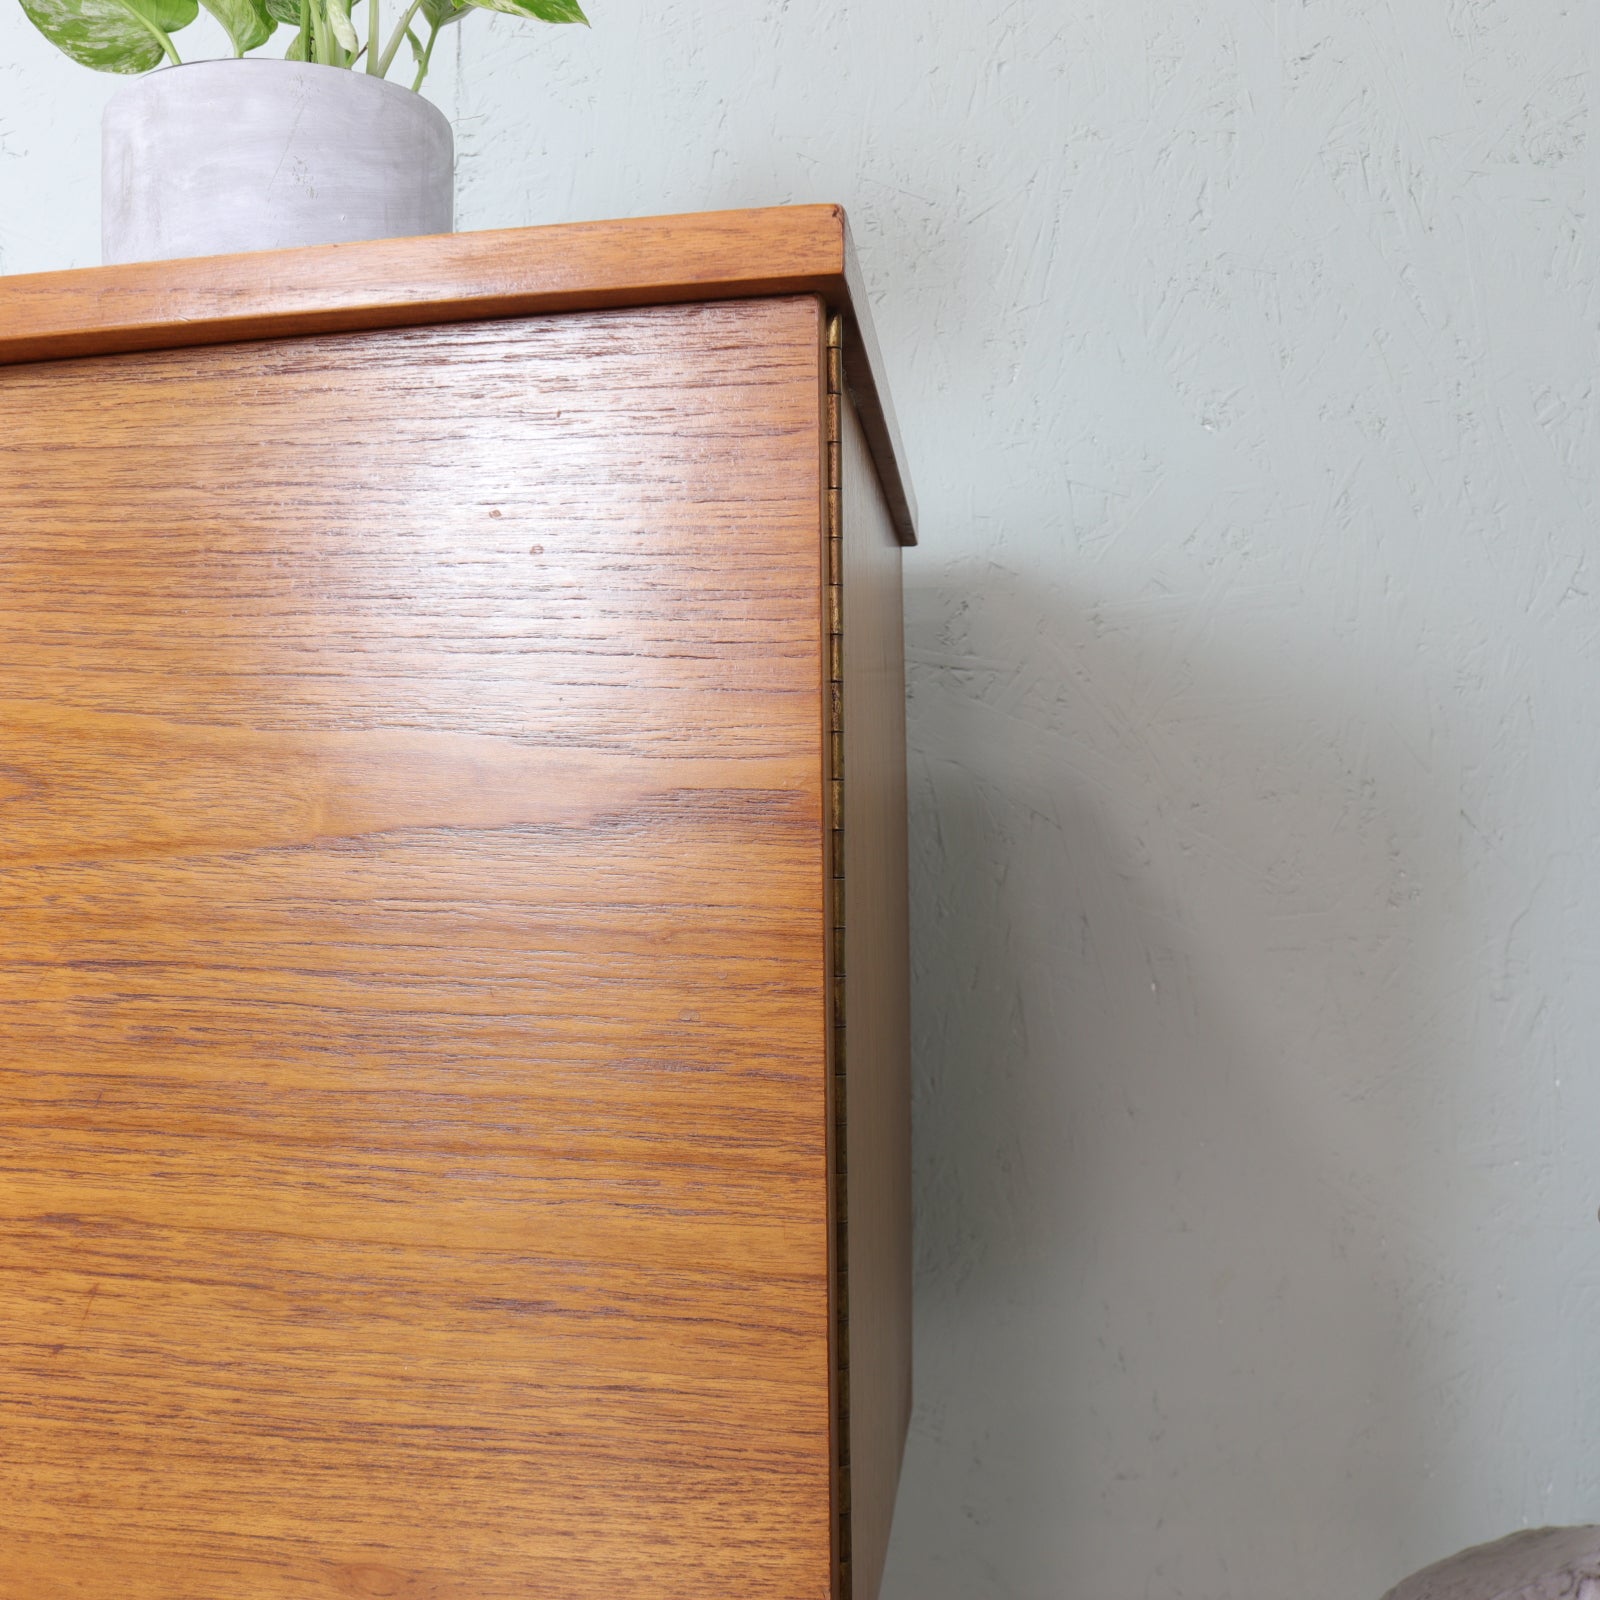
(223, 156)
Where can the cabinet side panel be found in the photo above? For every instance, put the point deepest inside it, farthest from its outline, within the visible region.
(413, 1167)
(877, 1030)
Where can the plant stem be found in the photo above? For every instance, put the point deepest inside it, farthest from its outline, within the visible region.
(159, 34)
(372, 36)
(396, 38)
(427, 56)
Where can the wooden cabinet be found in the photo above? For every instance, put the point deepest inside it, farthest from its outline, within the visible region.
(453, 986)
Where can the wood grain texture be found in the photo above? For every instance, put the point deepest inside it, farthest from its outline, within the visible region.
(389, 283)
(413, 1157)
(873, 1006)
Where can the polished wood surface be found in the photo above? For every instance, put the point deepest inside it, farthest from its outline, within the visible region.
(873, 1005)
(390, 283)
(413, 1105)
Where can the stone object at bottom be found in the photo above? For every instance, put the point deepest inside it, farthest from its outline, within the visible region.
(1536, 1564)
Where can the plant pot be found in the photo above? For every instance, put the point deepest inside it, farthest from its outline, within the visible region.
(223, 156)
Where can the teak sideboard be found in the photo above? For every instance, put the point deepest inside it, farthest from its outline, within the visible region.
(454, 1110)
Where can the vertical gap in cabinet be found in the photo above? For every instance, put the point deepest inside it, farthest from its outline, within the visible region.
(841, 1216)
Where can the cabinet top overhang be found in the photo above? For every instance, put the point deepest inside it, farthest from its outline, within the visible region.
(460, 277)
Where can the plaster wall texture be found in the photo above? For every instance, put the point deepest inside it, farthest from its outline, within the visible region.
(1246, 352)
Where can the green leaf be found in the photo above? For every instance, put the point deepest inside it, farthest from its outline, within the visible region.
(284, 11)
(297, 49)
(441, 13)
(344, 30)
(111, 35)
(168, 15)
(248, 22)
(542, 10)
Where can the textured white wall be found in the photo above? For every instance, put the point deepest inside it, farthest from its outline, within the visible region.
(1246, 351)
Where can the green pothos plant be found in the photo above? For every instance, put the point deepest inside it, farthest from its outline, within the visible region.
(136, 35)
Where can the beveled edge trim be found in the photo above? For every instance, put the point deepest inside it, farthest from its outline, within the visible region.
(460, 277)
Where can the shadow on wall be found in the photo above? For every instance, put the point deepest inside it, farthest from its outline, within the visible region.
(1181, 915)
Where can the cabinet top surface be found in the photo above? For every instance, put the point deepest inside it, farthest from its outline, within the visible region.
(464, 277)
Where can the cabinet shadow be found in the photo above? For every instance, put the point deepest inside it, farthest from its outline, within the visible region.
(1182, 930)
